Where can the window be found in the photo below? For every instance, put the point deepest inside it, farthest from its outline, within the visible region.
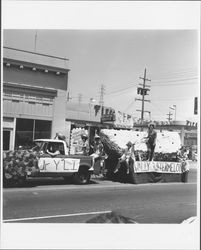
(24, 132)
(28, 129)
(42, 129)
(6, 140)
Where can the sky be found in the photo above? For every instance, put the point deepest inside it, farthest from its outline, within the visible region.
(116, 59)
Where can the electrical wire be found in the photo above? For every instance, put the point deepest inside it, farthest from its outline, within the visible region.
(120, 90)
(129, 105)
(176, 72)
(175, 76)
(173, 85)
(176, 80)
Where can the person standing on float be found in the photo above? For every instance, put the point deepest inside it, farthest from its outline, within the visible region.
(151, 141)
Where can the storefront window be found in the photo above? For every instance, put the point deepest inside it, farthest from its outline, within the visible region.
(28, 129)
(6, 139)
(42, 129)
(24, 132)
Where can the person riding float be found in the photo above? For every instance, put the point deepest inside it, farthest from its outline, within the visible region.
(84, 145)
(98, 149)
(127, 158)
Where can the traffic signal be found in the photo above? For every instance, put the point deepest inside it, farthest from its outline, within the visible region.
(139, 91)
(142, 91)
(145, 91)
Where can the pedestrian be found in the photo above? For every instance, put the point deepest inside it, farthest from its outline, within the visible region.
(182, 155)
(151, 141)
(127, 158)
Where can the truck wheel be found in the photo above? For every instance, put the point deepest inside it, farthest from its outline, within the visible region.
(82, 176)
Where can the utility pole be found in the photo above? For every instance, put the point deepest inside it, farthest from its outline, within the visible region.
(79, 98)
(174, 107)
(79, 101)
(169, 116)
(68, 97)
(101, 102)
(142, 90)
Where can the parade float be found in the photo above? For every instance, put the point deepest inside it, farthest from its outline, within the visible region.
(165, 167)
(76, 140)
(16, 165)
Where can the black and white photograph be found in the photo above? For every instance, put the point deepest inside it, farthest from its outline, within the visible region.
(100, 127)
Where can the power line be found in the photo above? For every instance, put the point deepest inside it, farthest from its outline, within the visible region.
(172, 99)
(120, 90)
(172, 85)
(181, 71)
(177, 80)
(176, 76)
(129, 105)
(157, 107)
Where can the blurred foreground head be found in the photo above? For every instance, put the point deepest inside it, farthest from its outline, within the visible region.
(112, 217)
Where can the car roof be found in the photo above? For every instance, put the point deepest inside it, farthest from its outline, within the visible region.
(48, 140)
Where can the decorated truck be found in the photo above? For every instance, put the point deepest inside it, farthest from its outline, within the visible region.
(166, 166)
(48, 158)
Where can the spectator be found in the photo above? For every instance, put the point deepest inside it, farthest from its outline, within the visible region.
(182, 155)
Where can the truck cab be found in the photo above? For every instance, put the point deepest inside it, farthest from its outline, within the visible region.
(61, 163)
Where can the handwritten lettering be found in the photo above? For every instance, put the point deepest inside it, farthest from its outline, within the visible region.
(160, 167)
(56, 163)
(61, 164)
(44, 165)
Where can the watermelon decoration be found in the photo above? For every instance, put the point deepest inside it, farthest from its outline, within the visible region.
(18, 164)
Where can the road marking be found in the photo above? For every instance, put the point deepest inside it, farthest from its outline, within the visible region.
(56, 216)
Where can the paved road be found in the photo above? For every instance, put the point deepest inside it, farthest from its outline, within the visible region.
(56, 202)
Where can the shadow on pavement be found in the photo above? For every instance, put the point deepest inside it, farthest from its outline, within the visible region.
(46, 182)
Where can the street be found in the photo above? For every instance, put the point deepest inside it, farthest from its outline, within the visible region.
(53, 201)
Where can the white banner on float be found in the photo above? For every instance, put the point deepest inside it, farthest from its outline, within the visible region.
(157, 166)
(47, 164)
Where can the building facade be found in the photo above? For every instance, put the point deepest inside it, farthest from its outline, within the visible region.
(34, 96)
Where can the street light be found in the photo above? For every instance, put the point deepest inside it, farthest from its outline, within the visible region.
(174, 107)
(91, 100)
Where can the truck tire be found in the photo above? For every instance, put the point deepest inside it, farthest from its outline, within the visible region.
(82, 176)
